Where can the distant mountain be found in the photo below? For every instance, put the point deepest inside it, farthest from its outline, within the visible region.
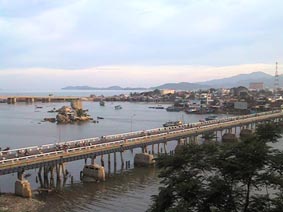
(85, 87)
(240, 80)
(229, 82)
(181, 86)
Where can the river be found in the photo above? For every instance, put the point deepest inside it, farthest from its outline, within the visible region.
(126, 190)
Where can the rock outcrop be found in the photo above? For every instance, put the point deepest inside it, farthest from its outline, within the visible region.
(68, 115)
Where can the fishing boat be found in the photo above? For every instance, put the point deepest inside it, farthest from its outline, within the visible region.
(172, 123)
(191, 110)
(173, 109)
(159, 107)
(118, 107)
(156, 107)
(210, 118)
(102, 103)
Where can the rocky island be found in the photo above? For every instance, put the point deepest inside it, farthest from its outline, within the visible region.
(67, 114)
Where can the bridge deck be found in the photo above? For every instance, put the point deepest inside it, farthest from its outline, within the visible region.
(50, 154)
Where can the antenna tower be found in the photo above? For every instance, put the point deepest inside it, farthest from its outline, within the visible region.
(276, 80)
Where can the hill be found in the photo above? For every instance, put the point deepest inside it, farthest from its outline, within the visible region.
(240, 80)
(180, 86)
(85, 87)
(228, 82)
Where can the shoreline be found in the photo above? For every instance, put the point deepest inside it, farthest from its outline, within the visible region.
(9, 202)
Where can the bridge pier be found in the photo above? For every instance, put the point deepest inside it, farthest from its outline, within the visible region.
(165, 147)
(122, 159)
(20, 175)
(52, 182)
(152, 149)
(12, 100)
(180, 145)
(22, 186)
(40, 177)
(143, 159)
(45, 177)
(47, 99)
(115, 162)
(93, 173)
(102, 160)
(29, 100)
(93, 160)
(109, 164)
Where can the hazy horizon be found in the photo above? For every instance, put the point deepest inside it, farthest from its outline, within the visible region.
(50, 44)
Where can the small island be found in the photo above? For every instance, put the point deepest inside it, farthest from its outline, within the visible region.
(67, 114)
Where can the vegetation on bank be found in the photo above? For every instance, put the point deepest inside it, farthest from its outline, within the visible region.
(242, 176)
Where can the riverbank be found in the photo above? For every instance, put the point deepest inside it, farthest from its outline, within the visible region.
(11, 203)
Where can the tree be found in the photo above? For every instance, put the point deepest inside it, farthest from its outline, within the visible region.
(80, 112)
(223, 177)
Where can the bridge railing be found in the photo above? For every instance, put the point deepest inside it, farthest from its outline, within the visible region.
(13, 160)
(141, 134)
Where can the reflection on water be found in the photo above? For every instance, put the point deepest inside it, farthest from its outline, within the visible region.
(128, 191)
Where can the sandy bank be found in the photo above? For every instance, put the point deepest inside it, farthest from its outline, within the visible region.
(12, 203)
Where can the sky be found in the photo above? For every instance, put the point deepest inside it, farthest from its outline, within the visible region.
(49, 44)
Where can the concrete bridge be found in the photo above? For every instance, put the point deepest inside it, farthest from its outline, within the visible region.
(32, 99)
(52, 157)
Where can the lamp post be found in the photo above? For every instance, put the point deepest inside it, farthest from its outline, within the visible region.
(132, 122)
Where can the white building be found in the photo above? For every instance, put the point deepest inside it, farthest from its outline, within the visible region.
(167, 91)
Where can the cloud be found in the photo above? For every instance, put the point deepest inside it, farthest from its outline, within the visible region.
(74, 34)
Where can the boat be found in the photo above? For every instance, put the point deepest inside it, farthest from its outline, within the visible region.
(172, 123)
(156, 107)
(210, 118)
(99, 117)
(118, 107)
(38, 107)
(102, 103)
(159, 107)
(173, 109)
(191, 110)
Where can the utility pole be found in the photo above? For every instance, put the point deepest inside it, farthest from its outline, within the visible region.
(276, 81)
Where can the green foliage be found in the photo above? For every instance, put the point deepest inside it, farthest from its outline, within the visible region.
(80, 112)
(228, 177)
(268, 132)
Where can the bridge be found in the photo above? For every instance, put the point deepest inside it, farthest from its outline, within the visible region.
(51, 156)
(32, 99)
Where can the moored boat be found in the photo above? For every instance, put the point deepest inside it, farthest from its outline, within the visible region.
(118, 107)
(210, 118)
(173, 109)
(102, 103)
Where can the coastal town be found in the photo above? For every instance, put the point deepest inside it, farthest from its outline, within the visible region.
(236, 100)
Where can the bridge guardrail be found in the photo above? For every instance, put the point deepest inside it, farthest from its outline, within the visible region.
(119, 142)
